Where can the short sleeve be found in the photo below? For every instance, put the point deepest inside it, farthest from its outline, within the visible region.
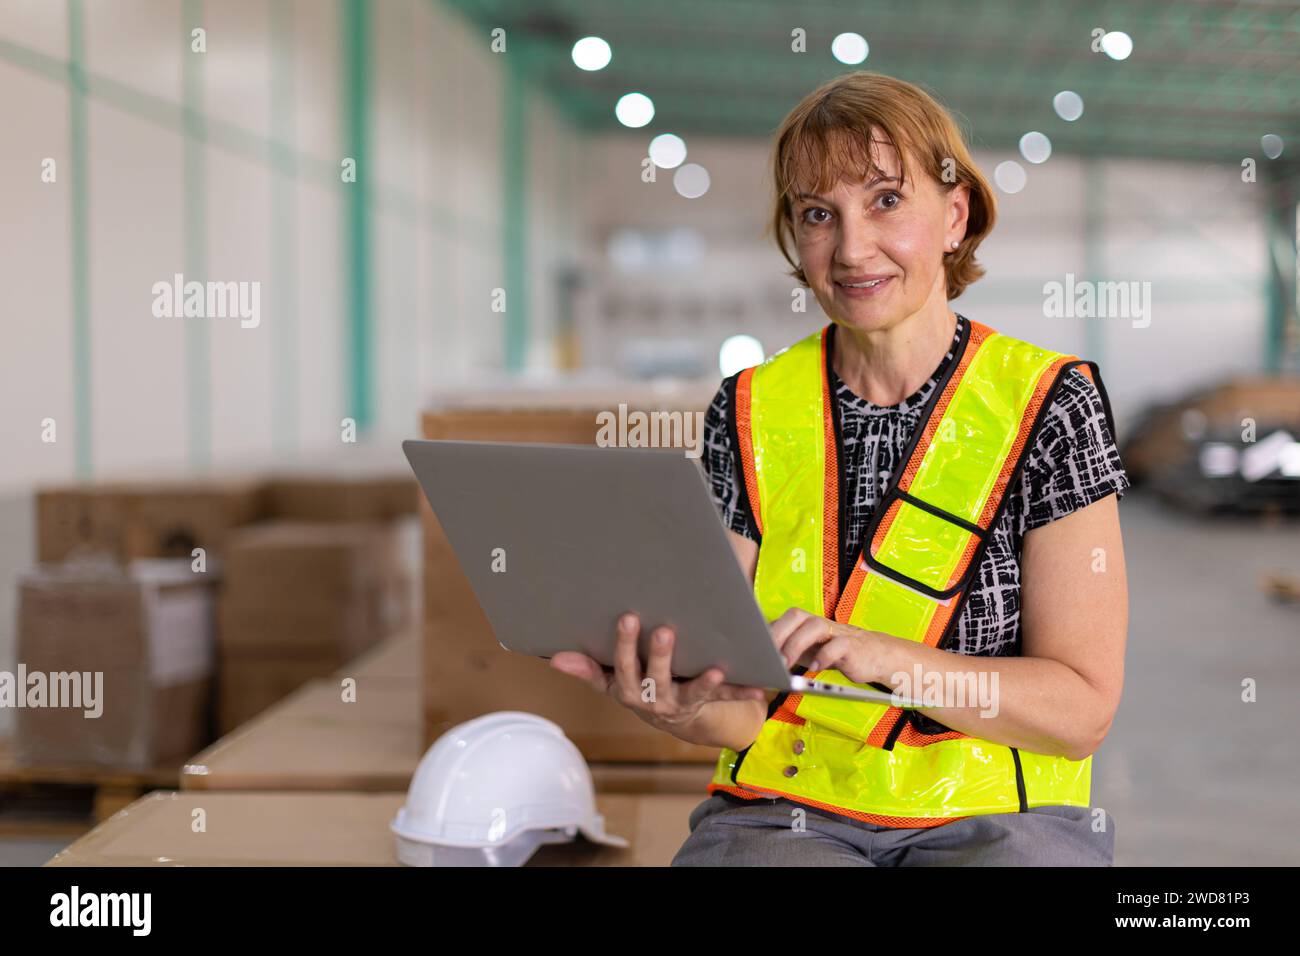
(1074, 461)
(719, 461)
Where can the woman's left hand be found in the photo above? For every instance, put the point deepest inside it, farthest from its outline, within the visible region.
(822, 644)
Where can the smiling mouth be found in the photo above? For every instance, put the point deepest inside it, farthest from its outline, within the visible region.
(864, 285)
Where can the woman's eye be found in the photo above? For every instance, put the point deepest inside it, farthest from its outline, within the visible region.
(812, 211)
(897, 199)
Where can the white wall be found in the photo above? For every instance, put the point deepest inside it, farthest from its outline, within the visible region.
(277, 391)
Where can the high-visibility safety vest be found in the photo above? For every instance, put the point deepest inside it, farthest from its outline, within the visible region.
(872, 761)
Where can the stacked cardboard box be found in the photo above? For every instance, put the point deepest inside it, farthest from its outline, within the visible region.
(146, 519)
(300, 599)
(130, 520)
(467, 672)
(313, 497)
(169, 519)
(123, 660)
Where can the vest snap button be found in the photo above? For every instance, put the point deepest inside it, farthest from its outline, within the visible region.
(791, 771)
(798, 746)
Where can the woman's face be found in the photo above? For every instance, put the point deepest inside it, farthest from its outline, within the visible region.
(878, 230)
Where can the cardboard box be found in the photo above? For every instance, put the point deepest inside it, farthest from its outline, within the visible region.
(313, 589)
(299, 601)
(467, 672)
(340, 829)
(381, 497)
(140, 642)
(130, 520)
(140, 519)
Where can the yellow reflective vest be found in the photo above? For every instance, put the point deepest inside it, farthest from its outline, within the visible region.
(875, 762)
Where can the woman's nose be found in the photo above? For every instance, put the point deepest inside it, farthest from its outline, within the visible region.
(857, 243)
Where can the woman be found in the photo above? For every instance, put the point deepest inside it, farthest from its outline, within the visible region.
(922, 504)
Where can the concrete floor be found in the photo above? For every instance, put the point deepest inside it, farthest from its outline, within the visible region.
(17, 852)
(1190, 773)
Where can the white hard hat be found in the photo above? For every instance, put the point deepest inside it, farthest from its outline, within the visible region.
(492, 790)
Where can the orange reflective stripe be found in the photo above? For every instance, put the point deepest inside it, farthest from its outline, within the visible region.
(880, 732)
(746, 438)
(886, 522)
(786, 712)
(734, 791)
(850, 596)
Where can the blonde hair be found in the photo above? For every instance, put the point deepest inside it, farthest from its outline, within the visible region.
(830, 133)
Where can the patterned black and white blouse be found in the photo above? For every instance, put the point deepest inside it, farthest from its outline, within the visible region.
(1073, 463)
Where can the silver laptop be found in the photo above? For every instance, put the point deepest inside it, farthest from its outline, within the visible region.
(558, 540)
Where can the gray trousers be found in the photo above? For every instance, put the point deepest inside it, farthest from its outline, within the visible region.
(778, 832)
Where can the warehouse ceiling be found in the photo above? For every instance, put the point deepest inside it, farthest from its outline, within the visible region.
(1205, 81)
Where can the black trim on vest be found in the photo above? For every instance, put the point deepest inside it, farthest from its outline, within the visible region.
(894, 731)
(1105, 399)
(1020, 782)
(742, 495)
(940, 595)
(842, 573)
(742, 490)
(940, 513)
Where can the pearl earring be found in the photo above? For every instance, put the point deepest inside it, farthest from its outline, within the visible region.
(955, 244)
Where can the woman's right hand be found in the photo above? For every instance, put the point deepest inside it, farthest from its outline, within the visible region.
(654, 696)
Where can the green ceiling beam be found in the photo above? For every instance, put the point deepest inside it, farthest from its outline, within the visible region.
(79, 237)
(515, 146)
(284, 234)
(793, 74)
(198, 335)
(1223, 140)
(1282, 322)
(1206, 80)
(359, 345)
(1009, 22)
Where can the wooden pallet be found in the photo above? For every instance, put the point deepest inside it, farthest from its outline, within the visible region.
(69, 800)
